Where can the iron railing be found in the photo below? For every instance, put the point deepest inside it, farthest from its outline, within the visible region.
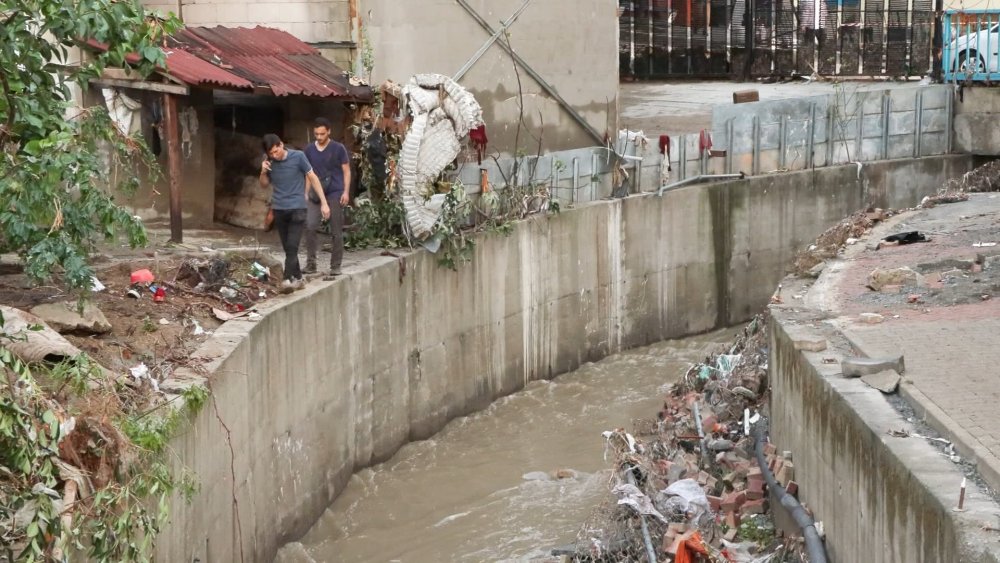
(670, 38)
(971, 45)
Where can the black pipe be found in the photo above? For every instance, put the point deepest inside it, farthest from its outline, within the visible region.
(815, 548)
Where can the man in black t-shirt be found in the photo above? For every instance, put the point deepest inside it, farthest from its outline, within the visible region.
(332, 164)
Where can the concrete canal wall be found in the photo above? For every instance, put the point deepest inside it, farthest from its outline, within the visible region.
(340, 375)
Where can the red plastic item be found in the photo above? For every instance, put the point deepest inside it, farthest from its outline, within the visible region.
(160, 296)
(142, 276)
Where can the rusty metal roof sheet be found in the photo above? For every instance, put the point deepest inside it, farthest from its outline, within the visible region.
(189, 68)
(262, 57)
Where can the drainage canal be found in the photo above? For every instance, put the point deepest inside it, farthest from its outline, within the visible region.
(509, 482)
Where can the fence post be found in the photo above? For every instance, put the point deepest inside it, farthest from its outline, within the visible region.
(861, 39)
(731, 148)
(650, 43)
(782, 141)
(918, 119)
(670, 39)
(860, 142)
(593, 174)
(811, 142)
(838, 35)
(886, 112)
(829, 133)
(682, 156)
(631, 51)
(756, 145)
(949, 108)
(576, 175)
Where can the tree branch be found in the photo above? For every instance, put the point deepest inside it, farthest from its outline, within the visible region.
(5, 131)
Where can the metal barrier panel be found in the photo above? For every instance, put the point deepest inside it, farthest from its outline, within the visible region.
(970, 45)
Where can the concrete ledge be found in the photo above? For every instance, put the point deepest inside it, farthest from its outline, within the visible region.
(882, 498)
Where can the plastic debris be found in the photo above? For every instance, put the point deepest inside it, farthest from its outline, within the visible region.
(685, 498)
(630, 495)
(142, 276)
(96, 285)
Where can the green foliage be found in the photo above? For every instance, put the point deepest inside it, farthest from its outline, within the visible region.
(58, 170)
(116, 457)
(457, 245)
(758, 529)
(376, 223)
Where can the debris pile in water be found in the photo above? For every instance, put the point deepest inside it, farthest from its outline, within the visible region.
(687, 487)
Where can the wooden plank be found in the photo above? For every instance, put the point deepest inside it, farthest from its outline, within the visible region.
(173, 166)
(142, 85)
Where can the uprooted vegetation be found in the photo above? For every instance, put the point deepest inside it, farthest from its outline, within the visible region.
(83, 459)
(85, 467)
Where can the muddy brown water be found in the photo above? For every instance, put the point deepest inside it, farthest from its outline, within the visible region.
(483, 489)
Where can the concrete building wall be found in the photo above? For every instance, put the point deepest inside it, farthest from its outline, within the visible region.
(152, 200)
(309, 21)
(572, 44)
(341, 375)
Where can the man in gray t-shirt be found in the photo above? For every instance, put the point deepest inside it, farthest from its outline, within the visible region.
(289, 173)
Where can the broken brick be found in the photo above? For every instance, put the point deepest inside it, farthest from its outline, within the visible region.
(733, 501)
(733, 520)
(755, 489)
(753, 507)
(787, 473)
(715, 503)
(792, 488)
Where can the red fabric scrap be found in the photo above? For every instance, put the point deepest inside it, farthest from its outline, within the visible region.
(665, 149)
(704, 141)
(479, 141)
(690, 548)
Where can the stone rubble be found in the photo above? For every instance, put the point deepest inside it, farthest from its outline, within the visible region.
(698, 468)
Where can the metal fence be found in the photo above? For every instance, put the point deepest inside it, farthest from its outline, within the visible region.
(704, 38)
(970, 45)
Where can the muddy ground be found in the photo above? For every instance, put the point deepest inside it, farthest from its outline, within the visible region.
(163, 334)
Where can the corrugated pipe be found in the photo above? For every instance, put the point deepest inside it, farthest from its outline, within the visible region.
(815, 548)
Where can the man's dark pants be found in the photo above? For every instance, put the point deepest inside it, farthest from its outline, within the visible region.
(313, 218)
(290, 223)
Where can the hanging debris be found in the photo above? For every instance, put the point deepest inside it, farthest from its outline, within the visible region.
(443, 113)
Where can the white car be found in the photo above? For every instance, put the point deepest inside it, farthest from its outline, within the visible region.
(977, 51)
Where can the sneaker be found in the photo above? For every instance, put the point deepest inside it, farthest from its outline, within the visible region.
(310, 268)
(286, 283)
(298, 283)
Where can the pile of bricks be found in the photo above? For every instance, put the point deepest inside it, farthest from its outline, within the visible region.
(702, 435)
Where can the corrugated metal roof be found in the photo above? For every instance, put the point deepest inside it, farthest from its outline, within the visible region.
(244, 58)
(191, 69)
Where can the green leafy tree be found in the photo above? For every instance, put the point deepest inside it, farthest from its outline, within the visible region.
(60, 165)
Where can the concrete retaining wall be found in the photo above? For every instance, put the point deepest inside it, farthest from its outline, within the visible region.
(977, 121)
(882, 499)
(341, 375)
